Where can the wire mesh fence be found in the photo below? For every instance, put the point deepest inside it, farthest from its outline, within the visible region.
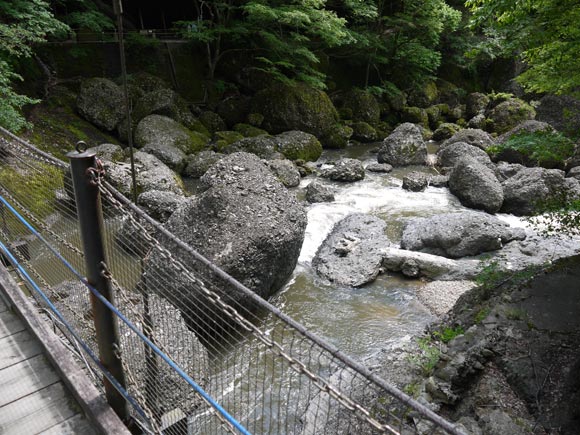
(202, 354)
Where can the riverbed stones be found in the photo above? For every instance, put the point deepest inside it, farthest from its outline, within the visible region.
(165, 131)
(345, 169)
(318, 192)
(471, 136)
(476, 185)
(247, 223)
(352, 253)
(100, 102)
(285, 171)
(525, 192)
(299, 145)
(383, 168)
(452, 153)
(456, 235)
(403, 147)
(415, 181)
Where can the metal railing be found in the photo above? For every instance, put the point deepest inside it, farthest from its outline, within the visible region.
(195, 358)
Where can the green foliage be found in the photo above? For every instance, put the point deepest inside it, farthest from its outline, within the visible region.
(481, 315)
(544, 33)
(427, 357)
(491, 275)
(447, 334)
(24, 24)
(558, 215)
(540, 147)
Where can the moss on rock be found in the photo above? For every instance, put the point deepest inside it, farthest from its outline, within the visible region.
(249, 130)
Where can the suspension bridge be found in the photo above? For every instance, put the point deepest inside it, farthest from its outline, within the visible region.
(110, 285)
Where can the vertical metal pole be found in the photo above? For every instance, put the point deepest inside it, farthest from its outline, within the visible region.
(88, 201)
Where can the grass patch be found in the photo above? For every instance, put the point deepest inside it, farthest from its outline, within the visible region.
(447, 334)
(427, 357)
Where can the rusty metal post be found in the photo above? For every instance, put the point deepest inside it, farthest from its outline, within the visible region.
(88, 202)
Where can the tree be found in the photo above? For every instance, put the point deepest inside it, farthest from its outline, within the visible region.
(397, 41)
(544, 33)
(283, 37)
(23, 24)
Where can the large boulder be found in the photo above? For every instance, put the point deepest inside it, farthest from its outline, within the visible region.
(456, 235)
(151, 174)
(351, 255)
(101, 102)
(198, 164)
(159, 204)
(361, 105)
(247, 223)
(560, 111)
(450, 155)
(529, 126)
(318, 192)
(415, 181)
(166, 131)
(403, 147)
(296, 107)
(234, 110)
(476, 185)
(345, 170)
(472, 136)
(285, 171)
(170, 155)
(475, 104)
(445, 131)
(164, 102)
(364, 132)
(525, 192)
(264, 147)
(299, 145)
(509, 114)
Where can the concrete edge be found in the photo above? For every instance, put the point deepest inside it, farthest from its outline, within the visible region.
(93, 404)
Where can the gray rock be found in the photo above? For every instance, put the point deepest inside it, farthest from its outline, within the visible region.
(164, 102)
(403, 147)
(415, 181)
(158, 204)
(529, 126)
(352, 254)
(234, 110)
(438, 180)
(318, 192)
(509, 114)
(476, 185)
(362, 105)
(450, 155)
(198, 164)
(151, 174)
(212, 121)
(456, 235)
(445, 131)
(364, 132)
(168, 154)
(574, 173)
(298, 145)
(504, 170)
(497, 422)
(379, 167)
(162, 130)
(475, 104)
(285, 172)
(478, 122)
(248, 224)
(108, 151)
(428, 265)
(345, 170)
(526, 190)
(560, 111)
(264, 147)
(471, 136)
(100, 102)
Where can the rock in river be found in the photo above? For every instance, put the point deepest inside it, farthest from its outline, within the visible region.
(352, 254)
(456, 235)
(247, 223)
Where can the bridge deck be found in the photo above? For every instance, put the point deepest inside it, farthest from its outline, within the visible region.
(37, 374)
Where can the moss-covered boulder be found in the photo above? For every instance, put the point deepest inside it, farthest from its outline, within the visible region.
(101, 102)
(424, 96)
(337, 137)
(248, 130)
(404, 146)
(264, 147)
(509, 114)
(108, 151)
(445, 131)
(233, 110)
(361, 105)
(299, 145)
(364, 132)
(166, 131)
(296, 107)
(163, 102)
(170, 155)
(475, 104)
(435, 116)
(198, 164)
(146, 82)
(222, 139)
(448, 93)
(415, 115)
(285, 171)
(212, 121)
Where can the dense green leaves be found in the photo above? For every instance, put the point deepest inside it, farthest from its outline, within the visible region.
(545, 33)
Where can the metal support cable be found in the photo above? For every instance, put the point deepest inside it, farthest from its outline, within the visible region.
(206, 397)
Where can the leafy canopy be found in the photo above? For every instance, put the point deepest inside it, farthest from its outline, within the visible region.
(544, 33)
(23, 24)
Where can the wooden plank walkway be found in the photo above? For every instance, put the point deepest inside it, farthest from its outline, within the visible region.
(33, 398)
(42, 390)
